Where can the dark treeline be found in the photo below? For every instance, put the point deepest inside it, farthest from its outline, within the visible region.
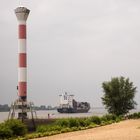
(43, 107)
(4, 108)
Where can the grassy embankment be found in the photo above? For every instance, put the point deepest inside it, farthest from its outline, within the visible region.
(10, 129)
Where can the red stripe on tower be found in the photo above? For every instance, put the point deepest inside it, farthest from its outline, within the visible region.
(22, 31)
(22, 59)
(22, 89)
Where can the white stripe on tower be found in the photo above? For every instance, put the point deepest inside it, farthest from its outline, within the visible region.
(22, 14)
(22, 44)
(22, 74)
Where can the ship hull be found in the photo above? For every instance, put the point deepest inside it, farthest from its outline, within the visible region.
(72, 110)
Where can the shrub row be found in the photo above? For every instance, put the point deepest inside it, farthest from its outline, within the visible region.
(78, 123)
(134, 116)
(71, 124)
(15, 128)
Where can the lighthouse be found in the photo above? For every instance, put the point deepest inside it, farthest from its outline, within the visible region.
(20, 107)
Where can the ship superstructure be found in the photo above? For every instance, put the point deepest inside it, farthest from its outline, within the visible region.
(69, 105)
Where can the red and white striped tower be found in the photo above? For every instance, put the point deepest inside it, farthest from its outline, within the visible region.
(21, 105)
(22, 15)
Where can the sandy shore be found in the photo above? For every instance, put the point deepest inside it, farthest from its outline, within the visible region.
(125, 130)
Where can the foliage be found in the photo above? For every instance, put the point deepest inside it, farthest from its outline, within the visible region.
(67, 129)
(109, 117)
(48, 128)
(119, 95)
(5, 132)
(95, 120)
(17, 127)
(57, 127)
(62, 122)
(83, 122)
(134, 116)
(73, 122)
(12, 128)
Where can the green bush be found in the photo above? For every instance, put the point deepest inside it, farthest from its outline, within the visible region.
(119, 118)
(106, 118)
(87, 122)
(41, 128)
(134, 116)
(62, 122)
(5, 132)
(12, 128)
(103, 119)
(110, 117)
(83, 122)
(31, 136)
(67, 129)
(73, 122)
(95, 119)
(92, 125)
(19, 138)
(16, 126)
(69, 122)
(75, 128)
(48, 128)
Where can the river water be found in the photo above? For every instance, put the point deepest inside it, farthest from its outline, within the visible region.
(55, 114)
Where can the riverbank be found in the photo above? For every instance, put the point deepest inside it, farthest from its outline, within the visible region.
(125, 130)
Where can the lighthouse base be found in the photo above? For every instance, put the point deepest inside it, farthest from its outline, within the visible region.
(22, 110)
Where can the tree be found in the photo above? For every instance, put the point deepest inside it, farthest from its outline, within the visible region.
(119, 95)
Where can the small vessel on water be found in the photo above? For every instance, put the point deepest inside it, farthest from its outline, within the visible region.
(69, 105)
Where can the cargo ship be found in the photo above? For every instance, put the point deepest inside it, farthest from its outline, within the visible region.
(69, 105)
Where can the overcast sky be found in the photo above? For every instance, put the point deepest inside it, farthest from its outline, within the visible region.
(73, 46)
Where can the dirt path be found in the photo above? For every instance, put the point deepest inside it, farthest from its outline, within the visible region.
(125, 130)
